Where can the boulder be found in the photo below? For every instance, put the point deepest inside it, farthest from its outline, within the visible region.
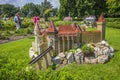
(70, 57)
(62, 55)
(79, 50)
(111, 55)
(56, 60)
(32, 53)
(111, 49)
(79, 57)
(102, 59)
(90, 60)
(104, 43)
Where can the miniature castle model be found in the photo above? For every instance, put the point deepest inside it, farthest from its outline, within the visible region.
(63, 38)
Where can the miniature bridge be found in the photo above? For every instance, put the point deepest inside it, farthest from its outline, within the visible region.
(41, 55)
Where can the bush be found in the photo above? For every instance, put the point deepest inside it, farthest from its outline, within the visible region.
(112, 19)
(86, 49)
(27, 23)
(58, 23)
(113, 22)
(9, 25)
(113, 25)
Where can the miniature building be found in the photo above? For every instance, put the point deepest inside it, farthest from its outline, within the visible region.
(65, 37)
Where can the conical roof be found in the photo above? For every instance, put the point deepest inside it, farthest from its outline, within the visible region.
(51, 28)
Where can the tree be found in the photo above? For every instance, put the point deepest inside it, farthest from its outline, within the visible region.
(85, 7)
(63, 11)
(46, 8)
(80, 8)
(8, 10)
(113, 8)
(100, 7)
(30, 10)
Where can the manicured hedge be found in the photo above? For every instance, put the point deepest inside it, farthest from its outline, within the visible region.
(112, 19)
(113, 22)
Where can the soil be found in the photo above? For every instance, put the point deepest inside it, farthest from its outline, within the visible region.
(13, 38)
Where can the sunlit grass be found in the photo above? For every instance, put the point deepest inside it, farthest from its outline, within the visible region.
(18, 50)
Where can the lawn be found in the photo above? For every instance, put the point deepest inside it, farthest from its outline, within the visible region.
(14, 58)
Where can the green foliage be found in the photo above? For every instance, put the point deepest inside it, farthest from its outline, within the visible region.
(81, 8)
(87, 49)
(112, 19)
(113, 25)
(8, 10)
(27, 23)
(9, 29)
(14, 59)
(58, 23)
(73, 50)
(113, 22)
(30, 10)
(113, 8)
(9, 25)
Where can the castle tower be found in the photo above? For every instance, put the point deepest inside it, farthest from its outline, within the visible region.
(101, 26)
(37, 34)
(52, 36)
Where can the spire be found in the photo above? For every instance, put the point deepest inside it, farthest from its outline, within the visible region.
(78, 29)
(51, 28)
(37, 29)
(101, 18)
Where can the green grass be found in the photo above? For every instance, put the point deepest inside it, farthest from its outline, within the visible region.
(14, 58)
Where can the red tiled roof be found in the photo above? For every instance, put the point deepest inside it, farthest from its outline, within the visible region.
(78, 29)
(51, 27)
(68, 30)
(44, 33)
(101, 19)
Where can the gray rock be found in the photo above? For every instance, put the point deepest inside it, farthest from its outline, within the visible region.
(102, 59)
(104, 43)
(70, 57)
(32, 53)
(79, 50)
(105, 51)
(56, 60)
(90, 60)
(111, 49)
(62, 55)
(111, 55)
(79, 57)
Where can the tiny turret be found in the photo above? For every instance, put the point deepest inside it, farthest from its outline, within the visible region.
(52, 36)
(101, 26)
(38, 36)
(37, 29)
(51, 28)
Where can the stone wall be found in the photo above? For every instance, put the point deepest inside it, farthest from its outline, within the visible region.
(101, 54)
(91, 36)
(66, 43)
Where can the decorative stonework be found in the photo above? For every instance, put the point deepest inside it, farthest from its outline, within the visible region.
(56, 41)
(102, 53)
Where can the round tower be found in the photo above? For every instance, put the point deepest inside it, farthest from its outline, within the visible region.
(101, 26)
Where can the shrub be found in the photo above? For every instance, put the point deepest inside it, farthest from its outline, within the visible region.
(113, 22)
(9, 25)
(58, 23)
(113, 25)
(112, 19)
(27, 23)
(86, 49)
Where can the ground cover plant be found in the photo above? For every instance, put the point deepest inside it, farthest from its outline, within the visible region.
(14, 58)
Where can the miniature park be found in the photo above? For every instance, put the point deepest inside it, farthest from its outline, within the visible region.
(42, 42)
